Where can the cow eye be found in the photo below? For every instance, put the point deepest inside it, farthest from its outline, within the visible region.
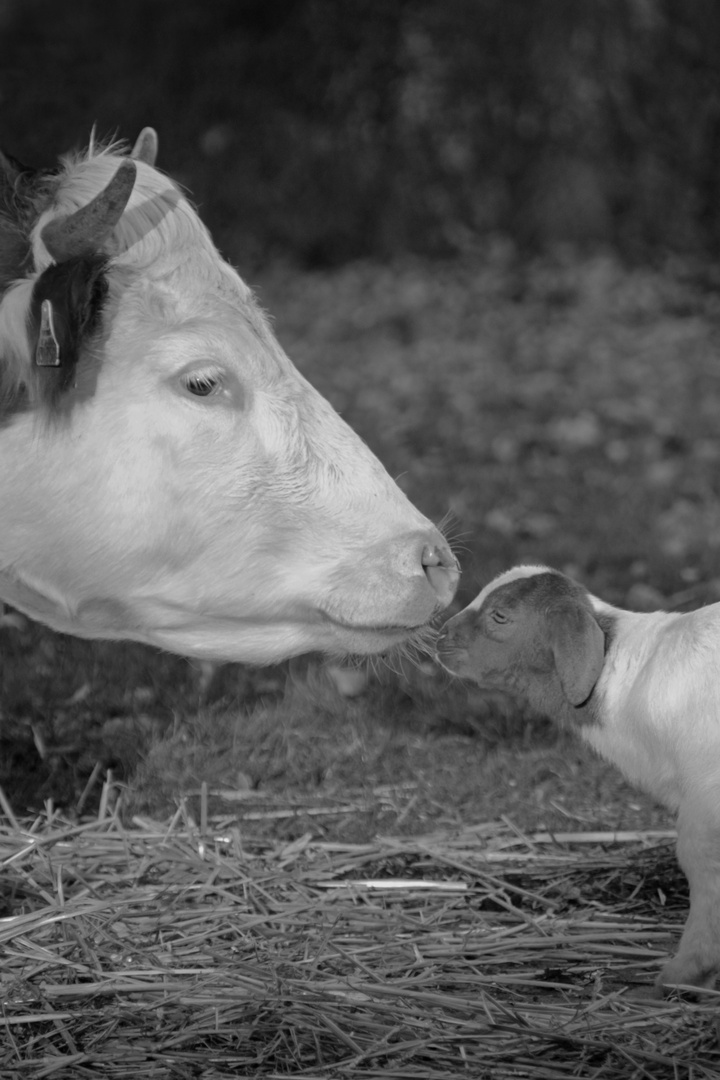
(498, 616)
(203, 383)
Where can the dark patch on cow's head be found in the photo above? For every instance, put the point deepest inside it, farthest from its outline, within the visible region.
(76, 289)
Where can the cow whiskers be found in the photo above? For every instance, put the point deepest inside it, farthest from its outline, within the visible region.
(414, 651)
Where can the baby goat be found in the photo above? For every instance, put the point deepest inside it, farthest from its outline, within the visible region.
(642, 689)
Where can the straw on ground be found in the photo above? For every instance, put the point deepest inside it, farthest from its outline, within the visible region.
(184, 949)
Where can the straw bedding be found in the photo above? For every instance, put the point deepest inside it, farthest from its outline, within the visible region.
(200, 948)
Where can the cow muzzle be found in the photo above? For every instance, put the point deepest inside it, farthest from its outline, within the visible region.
(403, 583)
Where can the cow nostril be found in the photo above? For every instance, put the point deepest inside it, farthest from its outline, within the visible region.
(435, 555)
(442, 571)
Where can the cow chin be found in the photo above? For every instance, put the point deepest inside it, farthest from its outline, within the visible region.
(367, 640)
(234, 638)
(362, 612)
(267, 643)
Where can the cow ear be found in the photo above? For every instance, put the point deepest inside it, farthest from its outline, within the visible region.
(146, 146)
(578, 646)
(12, 170)
(16, 189)
(66, 309)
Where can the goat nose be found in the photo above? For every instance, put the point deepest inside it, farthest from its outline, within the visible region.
(441, 570)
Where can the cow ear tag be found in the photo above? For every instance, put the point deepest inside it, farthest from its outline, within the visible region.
(47, 353)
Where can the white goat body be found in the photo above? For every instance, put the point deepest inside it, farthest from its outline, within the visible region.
(642, 689)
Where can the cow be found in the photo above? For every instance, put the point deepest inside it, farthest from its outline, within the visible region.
(167, 475)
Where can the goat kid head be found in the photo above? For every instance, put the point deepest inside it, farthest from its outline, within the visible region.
(531, 632)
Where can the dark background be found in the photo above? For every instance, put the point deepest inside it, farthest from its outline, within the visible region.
(326, 130)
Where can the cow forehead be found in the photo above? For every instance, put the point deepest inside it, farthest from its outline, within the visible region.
(159, 240)
(174, 324)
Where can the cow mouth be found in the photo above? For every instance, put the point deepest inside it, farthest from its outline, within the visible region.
(371, 628)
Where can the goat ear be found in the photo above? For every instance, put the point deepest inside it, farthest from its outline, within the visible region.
(578, 646)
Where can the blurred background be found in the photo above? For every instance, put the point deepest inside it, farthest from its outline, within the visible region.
(488, 232)
(328, 130)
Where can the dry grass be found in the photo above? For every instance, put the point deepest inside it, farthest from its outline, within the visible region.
(435, 760)
(194, 948)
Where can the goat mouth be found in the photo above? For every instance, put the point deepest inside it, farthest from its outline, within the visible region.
(450, 658)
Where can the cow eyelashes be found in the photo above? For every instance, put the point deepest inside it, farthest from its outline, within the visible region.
(203, 384)
(212, 383)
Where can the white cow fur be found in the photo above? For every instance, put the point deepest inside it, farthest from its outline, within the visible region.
(654, 712)
(249, 525)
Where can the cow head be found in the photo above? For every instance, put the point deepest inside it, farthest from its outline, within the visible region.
(168, 475)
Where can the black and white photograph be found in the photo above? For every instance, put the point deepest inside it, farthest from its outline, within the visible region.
(360, 539)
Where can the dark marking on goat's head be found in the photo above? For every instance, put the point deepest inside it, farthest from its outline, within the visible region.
(535, 635)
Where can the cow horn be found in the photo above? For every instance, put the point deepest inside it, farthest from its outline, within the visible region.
(84, 231)
(146, 146)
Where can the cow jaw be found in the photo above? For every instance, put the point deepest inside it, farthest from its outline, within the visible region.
(259, 638)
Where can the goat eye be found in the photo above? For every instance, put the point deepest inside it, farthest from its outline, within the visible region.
(202, 384)
(498, 617)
